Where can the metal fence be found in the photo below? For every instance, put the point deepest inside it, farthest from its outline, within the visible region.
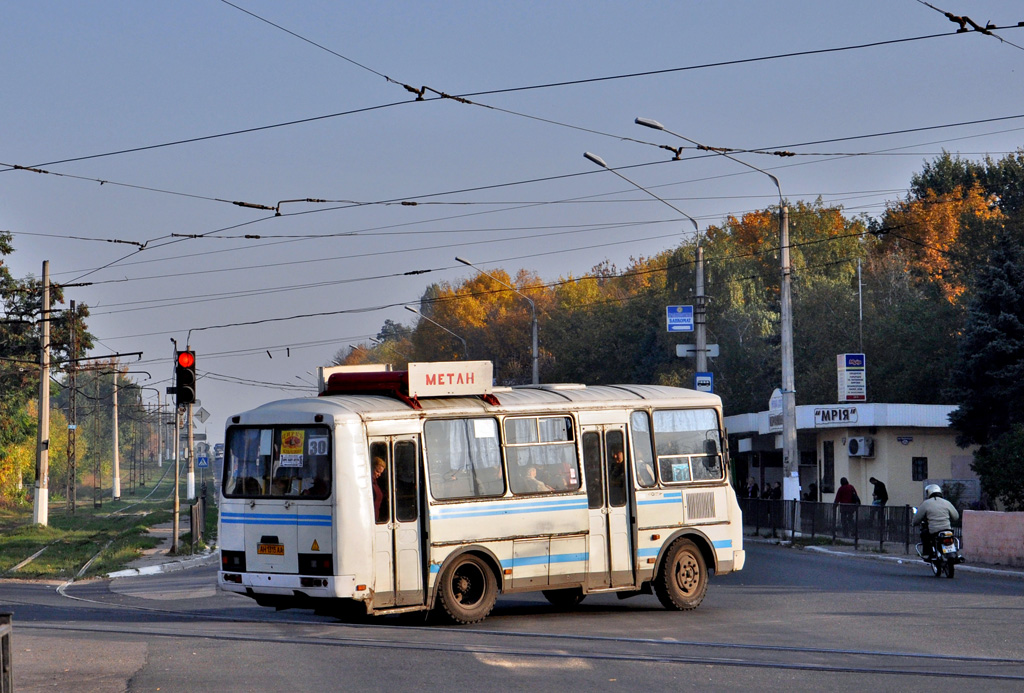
(6, 663)
(197, 519)
(854, 524)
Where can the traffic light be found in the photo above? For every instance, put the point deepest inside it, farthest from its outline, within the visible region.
(185, 378)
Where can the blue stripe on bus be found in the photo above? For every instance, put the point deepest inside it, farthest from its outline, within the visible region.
(271, 519)
(671, 497)
(534, 560)
(541, 560)
(654, 551)
(508, 510)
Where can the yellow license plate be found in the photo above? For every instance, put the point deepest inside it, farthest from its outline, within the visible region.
(270, 549)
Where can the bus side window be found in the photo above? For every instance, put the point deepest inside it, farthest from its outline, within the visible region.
(592, 469)
(379, 482)
(643, 453)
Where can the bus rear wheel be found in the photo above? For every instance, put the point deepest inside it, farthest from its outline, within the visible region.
(468, 589)
(682, 581)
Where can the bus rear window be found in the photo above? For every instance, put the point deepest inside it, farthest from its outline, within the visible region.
(281, 461)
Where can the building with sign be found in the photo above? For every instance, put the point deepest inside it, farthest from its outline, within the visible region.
(905, 446)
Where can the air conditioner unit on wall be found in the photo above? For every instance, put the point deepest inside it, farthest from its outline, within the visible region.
(860, 446)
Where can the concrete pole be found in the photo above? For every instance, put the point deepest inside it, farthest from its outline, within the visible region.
(790, 451)
(700, 315)
(190, 485)
(41, 501)
(159, 431)
(177, 478)
(116, 490)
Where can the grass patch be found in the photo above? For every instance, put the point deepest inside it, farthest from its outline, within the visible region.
(70, 541)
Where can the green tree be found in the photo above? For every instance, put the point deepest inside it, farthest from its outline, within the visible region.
(988, 382)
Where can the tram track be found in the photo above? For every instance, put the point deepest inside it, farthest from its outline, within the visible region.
(558, 646)
(541, 651)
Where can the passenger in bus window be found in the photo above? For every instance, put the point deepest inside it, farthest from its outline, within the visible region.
(645, 473)
(617, 478)
(378, 493)
(531, 484)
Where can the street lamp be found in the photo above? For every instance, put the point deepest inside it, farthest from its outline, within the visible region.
(465, 349)
(533, 308)
(790, 452)
(700, 318)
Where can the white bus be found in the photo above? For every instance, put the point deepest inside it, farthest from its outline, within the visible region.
(400, 491)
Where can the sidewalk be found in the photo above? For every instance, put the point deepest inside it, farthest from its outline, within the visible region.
(870, 551)
(159, 559)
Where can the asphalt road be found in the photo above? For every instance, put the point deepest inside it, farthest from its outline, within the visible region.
(792, 620)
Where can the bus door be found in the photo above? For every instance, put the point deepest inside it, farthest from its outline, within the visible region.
(398, 545)
(607, 471)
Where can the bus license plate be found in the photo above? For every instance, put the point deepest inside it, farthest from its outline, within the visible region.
(270, 549)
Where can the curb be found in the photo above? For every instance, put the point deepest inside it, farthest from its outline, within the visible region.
(1018, 575)
(171, 566)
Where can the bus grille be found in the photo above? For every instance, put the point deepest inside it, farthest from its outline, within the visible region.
(700, 506)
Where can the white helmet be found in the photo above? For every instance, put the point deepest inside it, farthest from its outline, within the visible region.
(932, 490)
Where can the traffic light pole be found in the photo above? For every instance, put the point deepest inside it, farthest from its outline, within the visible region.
(177, 477)
(191, 483)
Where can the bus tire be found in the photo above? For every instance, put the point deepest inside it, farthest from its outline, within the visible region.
(564, 599)
(468, 589)
(682, 581)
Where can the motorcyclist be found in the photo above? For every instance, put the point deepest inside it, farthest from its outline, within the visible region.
(934, 515)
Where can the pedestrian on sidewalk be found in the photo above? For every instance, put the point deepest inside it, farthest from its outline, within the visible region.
(847, 500)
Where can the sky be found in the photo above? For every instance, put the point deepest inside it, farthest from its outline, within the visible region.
(151, 119)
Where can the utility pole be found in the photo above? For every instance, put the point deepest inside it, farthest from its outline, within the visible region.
(115, 492)
(160, 438)
(790, 451)
(97, 489)
(72, 480)
(177, 477)
(700, 314)
(41, 503)
(190, 484)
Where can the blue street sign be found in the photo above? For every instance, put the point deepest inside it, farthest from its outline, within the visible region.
(704, 382)
(202, 461)
(680, 318)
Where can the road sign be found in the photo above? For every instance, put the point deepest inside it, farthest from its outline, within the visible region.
(704, 382)
(202, 461)
(690, 350)
(201, 415)
(680, 318)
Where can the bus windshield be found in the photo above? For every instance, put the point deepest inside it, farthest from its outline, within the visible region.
(283, 461)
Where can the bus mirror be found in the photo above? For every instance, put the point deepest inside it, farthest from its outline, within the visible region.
(710, 447)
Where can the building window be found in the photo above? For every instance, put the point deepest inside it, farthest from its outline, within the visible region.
(828, 466)
(919, 468)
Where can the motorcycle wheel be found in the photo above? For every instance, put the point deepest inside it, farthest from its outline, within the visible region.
(936, 567)
(950, 568)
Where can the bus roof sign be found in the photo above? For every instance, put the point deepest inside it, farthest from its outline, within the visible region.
(447, 378)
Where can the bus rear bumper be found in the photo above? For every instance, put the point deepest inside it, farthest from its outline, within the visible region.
(329, 586)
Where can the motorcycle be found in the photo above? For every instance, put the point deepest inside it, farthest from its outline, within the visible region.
(945, 553)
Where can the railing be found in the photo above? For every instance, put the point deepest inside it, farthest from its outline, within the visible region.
(841, 523)
(197, 519)
(6, 663)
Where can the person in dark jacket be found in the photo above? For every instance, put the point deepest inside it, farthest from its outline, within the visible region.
(879, 496)
(847, 500)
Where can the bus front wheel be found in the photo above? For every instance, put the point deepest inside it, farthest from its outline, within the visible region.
(683, 579)
(468, 589)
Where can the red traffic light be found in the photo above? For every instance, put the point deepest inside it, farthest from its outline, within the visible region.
(186, 359)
